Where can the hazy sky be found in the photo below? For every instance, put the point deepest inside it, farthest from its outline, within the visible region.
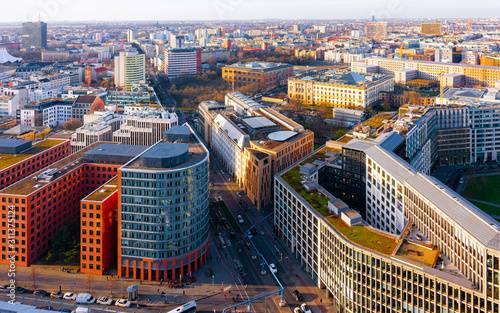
(79, 10)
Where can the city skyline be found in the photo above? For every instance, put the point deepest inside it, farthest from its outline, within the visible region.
(191, 10)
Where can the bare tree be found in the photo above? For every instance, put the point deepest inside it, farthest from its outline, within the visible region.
(72, 124)
(33, 275)
(112, 284)
(89, 281)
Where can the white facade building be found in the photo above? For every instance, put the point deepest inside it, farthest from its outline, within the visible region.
(243, 105)
(182, 62)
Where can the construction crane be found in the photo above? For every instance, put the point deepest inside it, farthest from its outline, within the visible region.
(401, 51)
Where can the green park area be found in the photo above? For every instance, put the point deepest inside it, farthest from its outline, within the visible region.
(486, 188)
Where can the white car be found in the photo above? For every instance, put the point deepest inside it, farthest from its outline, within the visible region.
(69, 296)
(124, 303)
(104, 300)
(305, 308)
(240, 219)
(273, 268)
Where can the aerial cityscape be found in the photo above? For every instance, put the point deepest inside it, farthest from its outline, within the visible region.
(249, 156)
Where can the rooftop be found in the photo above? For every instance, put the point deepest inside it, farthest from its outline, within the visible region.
(104, 191)
(7, 160)
(258, 66)
(28, 185)
(362, 235)
(417, 254)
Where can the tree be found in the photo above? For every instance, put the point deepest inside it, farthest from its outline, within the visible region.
(38, 120)
(72, 124)
(112, 284)
(411, 97)
(387, 102)
(33, 275)
(89, 281)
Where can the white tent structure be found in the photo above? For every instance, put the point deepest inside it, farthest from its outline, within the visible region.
(5, 57)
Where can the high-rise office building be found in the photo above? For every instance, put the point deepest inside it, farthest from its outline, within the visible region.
(34, 35)
(163, 219)
(182, 62)
(132, 35)
(130, 69)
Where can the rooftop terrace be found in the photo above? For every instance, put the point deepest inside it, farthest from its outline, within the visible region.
(362, 235)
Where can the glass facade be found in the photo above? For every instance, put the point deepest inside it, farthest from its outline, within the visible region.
(164, 215)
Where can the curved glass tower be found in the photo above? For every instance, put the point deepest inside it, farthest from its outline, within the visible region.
(165, 209)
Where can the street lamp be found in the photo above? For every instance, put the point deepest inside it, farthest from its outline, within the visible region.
(213, 277)
(75, 284)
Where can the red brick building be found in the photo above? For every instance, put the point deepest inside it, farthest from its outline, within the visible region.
(266, 75)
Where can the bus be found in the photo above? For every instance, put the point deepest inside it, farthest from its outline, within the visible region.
(188, 307)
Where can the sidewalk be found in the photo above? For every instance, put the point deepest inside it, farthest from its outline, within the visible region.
(49, 278)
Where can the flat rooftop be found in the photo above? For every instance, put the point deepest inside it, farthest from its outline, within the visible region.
(362, 235)
(7, 160)
(27, 185)
(417, 254)
(104, 191)
(196, 154)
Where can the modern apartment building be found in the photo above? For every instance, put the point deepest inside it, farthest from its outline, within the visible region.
(51, 112)
(130, 69)
(339, 90)
(34, 35)
(145, 127)
(474, 75)
(418, 246)
(255, 148)
(182, 62)
(265, 75)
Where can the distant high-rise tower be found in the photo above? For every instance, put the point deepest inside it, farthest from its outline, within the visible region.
(373, 18)
(34, 35)
(130, 69)
(132, 35)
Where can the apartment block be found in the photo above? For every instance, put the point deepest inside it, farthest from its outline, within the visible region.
(207, 111)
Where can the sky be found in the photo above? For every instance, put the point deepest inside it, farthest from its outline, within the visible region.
(165, 10)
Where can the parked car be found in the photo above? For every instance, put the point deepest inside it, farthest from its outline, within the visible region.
(461, 181)
(41, 293)
(65, 310)
(104, 300)
(298, 296)
(69, 296)
(297, 310)
(85, 298)
(273, 268)
(124, 303)
(4, 287)
(81, 310)
(20, 289)
(57, 295)
(305, 308)
(240, 219)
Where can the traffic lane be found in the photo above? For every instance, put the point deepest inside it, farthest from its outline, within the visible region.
(270, 251)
